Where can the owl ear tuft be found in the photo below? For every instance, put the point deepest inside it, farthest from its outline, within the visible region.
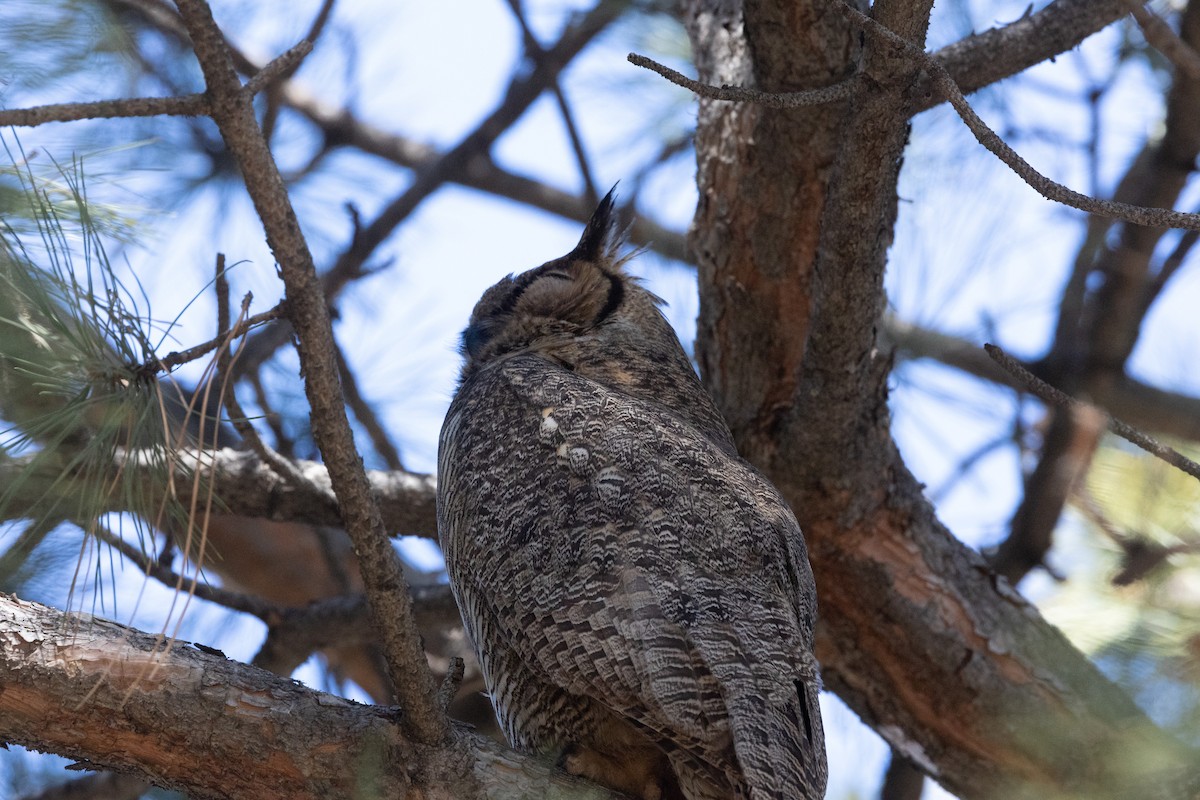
(603, 236)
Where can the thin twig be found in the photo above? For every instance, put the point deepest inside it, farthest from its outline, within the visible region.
(1051, 190)
(271, 114)
(284, 445)
(451, 681)
(191, 105)
(1164, 40)
(228, 387)
(1055, 397)
(535, 51)
(175, 359)
(279, 67)
(1170, 266)
(366, 415)
(247, 604)
(738, 94)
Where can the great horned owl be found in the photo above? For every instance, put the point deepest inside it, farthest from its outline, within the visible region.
(639, 597)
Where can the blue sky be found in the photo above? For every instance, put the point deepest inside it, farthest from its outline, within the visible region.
(977, 252)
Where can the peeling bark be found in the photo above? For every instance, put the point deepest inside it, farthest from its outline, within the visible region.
(197, 722)
(952, 667)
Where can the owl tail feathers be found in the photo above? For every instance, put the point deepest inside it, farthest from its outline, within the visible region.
(780, 746)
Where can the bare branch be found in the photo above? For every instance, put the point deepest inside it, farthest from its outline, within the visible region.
(811, 97)
(271, 114)
(190, 720)
(366, 415)
(247, 604)
(534, 49)
(1055, 397)
(1068, 446)
(244, 485)
(279, 68)
(1051, 190)
(984, 58)
(380, 565)
(1160, 35)
(243, 326)
(192, 105)
(521, 94)
(228, 388)
(341, 127)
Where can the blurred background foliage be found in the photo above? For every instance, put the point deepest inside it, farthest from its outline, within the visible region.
(110, 228)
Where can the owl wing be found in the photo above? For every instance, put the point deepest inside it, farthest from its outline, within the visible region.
(671, 583)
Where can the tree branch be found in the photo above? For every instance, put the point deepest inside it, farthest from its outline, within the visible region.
(241, 328)
(984, 58)
(1162, 38)
(192, 105)
(245, 486)
(380, 565)
(1051, 190)
(108, 695)
(341, 127)
(1140, 404)
(737, 94)
(236, 601)
(955, 670)
(1100, 320)
(1058, 398)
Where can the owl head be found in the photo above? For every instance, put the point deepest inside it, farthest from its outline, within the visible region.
(583, 313)
(566, 304)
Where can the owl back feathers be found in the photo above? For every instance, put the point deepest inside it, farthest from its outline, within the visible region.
(639, 596)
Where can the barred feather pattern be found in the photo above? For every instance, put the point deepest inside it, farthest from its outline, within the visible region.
(639, 596)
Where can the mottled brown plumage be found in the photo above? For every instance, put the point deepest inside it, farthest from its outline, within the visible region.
(639, 596)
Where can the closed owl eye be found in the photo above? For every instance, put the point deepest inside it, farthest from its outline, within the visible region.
(475, 337)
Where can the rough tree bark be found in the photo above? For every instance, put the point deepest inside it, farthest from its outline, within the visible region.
(195, 721)
(796, 214)
(791, 234)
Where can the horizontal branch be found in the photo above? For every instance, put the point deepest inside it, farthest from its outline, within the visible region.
(1140, 404)
(984, 58)
(738, 94)
(191, 105)
(244, 486)
(114, 697)
(243, 326)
